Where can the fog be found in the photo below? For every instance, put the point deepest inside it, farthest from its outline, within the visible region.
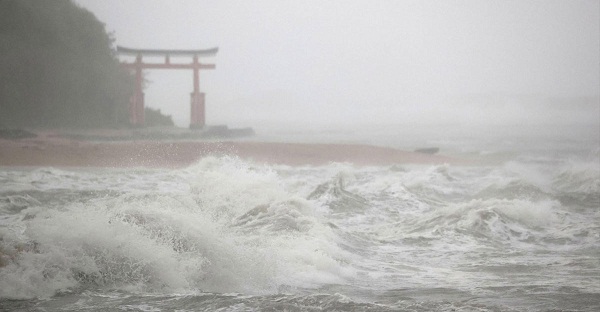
(314, 63)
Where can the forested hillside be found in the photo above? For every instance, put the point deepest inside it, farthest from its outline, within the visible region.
(57, 68)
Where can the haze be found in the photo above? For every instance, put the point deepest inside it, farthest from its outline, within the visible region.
(382, 62)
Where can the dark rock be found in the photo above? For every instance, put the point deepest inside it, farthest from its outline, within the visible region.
(428, 150)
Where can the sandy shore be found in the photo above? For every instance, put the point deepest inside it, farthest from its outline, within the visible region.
(59, 152)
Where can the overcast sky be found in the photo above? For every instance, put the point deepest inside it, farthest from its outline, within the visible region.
(346, 61)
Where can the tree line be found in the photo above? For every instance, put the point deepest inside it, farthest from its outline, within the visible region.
(58, 68)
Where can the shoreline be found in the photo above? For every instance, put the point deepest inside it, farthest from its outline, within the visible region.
(52, 151)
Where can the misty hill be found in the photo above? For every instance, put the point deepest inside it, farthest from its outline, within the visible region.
(57, 67)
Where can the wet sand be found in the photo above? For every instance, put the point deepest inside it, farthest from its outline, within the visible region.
(60, 152)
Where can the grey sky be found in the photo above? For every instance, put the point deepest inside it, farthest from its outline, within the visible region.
(343, 61)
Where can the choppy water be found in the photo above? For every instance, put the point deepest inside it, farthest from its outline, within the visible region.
(231, 235)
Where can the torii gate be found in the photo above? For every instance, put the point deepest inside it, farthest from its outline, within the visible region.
(136, 102)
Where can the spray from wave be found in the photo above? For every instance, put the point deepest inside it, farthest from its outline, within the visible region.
(504, 236)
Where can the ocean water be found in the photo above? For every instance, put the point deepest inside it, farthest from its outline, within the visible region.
(519, 231)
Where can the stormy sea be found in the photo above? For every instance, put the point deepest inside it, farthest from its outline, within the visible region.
(517, 230)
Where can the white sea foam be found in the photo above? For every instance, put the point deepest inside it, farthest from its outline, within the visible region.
(225, 225)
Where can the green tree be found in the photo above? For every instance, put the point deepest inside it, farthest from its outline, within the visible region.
(58, 68)
(154, 117)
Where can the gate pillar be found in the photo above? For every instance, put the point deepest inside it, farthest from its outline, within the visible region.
(136, 109)
(197, 113)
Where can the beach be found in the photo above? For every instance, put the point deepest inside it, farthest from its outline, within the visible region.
(48, 150)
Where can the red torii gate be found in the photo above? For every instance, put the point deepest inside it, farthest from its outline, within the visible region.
(136, 103)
